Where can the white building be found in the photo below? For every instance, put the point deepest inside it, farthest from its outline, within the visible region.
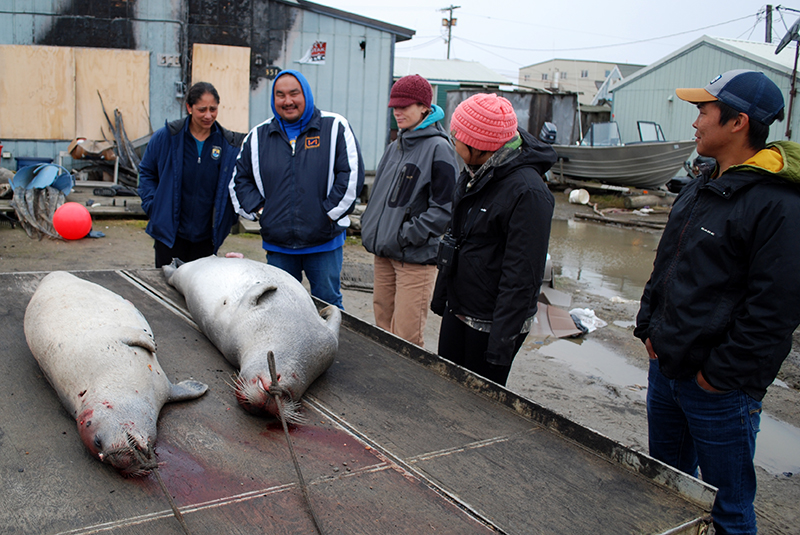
(577, 76)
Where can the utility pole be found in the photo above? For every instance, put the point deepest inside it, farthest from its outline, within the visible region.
(449, 22)
(768, 29)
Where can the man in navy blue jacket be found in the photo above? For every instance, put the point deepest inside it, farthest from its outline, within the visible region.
(719, 310)
(300, 172)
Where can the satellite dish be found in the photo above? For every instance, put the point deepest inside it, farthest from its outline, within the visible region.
(792, 35)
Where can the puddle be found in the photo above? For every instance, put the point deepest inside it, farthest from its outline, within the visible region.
(596, 361)
(613, 261)
(777, 444)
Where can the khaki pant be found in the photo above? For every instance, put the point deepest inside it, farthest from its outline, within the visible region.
(402, 296)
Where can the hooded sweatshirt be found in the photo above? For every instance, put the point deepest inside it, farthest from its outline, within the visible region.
(294, 129)
(412, 195)
(306, 189)
(723, 294)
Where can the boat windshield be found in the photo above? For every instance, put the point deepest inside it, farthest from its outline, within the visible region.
(602, 135)
(650, 131)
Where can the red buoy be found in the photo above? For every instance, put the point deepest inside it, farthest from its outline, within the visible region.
(72, 221)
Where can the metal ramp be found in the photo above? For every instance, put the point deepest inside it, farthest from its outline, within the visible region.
(397, 441)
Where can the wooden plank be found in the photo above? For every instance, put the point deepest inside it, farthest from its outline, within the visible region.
(623, 222)
(227, 68)
(122, 78)
(37, 92)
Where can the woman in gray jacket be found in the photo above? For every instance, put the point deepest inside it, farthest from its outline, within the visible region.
(408, 209)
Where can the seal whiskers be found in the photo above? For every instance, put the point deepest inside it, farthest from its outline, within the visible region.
(246, 308)
(255, 398)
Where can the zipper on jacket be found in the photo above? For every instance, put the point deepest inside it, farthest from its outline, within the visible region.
(406, 217)
(679, 247)
(398, 183)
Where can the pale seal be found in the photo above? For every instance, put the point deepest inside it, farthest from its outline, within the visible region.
(248, 308)
(98, 352)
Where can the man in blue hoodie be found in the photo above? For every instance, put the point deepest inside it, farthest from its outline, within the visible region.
(300, 172)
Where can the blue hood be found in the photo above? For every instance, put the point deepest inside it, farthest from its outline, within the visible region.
(436, 114)
(300, 125)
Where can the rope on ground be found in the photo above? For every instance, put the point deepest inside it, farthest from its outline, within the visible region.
(276, 392)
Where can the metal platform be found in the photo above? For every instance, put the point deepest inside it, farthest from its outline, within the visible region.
(397, 441)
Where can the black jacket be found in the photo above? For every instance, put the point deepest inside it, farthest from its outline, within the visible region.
(502, 253)
(724, 295)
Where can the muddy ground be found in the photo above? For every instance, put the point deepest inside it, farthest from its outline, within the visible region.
(614, 410)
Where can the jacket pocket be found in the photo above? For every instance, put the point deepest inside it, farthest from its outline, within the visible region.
(404, 185)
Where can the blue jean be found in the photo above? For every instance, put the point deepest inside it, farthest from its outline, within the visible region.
(690, 427)
(322, 269)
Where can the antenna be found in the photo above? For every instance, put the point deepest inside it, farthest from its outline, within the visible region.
(449, 22)
(792, 35)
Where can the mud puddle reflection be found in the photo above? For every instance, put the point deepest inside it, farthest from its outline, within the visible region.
(777, 443)
(613, 261)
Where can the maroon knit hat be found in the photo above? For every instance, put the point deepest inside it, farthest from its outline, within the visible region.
(410, 90)
(485, 122)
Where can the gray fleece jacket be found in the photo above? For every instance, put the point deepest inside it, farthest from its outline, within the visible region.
(412, 197)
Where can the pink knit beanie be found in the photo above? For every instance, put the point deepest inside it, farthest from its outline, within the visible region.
(485, 122)
(412, 89)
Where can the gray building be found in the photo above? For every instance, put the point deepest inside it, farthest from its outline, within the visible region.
(56, 56)
(649, 94)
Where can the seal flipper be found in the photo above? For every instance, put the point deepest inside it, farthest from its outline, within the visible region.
(134, 337)
(333, 318)
(186, 390)
(170, 269)
(257, 294)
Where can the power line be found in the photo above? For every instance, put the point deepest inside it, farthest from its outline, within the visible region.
(602, 46)
(416, 47)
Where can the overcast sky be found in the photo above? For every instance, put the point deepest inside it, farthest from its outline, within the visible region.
(505, 35)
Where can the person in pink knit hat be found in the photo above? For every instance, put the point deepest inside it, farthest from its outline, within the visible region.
(491, 259)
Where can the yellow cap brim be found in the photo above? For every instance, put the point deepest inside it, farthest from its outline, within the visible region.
(695, 95)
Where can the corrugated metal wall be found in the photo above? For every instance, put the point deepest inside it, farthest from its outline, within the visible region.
(531, 109)
(651, 97)
(354, 81)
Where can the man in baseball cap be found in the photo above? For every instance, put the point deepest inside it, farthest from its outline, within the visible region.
(719, 310)
(745, 91)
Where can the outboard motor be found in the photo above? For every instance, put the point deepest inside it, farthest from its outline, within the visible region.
(548, 133)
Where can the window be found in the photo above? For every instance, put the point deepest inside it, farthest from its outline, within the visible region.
(544, 76)
(526, 77)
(607, 73)
(585, 74)
(564, 75)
